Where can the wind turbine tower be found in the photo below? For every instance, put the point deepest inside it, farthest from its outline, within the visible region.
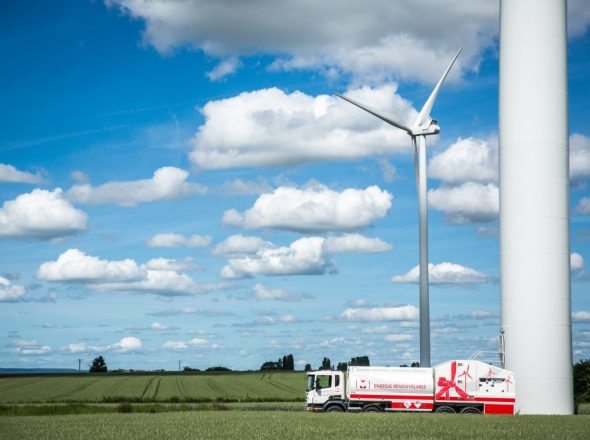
(534, 204)
(423, 126)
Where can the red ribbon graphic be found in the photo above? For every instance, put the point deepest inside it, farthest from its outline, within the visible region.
(448, 385)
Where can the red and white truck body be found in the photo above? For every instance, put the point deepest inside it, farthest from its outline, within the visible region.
(467, 386)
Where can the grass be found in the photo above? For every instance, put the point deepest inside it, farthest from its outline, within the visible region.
(199, 388)
(272, 425)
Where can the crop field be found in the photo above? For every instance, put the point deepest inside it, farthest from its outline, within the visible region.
(273, 425)
(236, 387)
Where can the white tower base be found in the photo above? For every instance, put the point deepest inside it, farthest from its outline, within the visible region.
(534, 204)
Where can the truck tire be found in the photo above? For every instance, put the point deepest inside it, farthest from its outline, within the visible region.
(444, 409)
(372, 408)
(334, 408)
(470, 410)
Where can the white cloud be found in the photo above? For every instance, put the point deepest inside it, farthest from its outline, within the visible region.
(355, 243)
(372, 40)
(185, 265)
(40, 214)
(316, 208)
(8, 173)
(444, 273)
(30, 347)
(303, 256)
(400, 313)
(128, 343)
(75, 265)
(183, 345)
(159, 326)
(468, 203)
(10, 292)
(581, 316)
(118, 276)
(264, 293)
(239, 187)
(398, 337)
(482, 314)
(223, 69)
(268, 127)
(579, 157)
(583, 206)
(167, 183)
(273, 320)
(236, 245)
(576, 262)
(469, 159)
(376, 330)
(388, 170)
(83, 347)
(168, 240)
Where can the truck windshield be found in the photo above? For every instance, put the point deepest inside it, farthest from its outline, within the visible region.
(310, 379)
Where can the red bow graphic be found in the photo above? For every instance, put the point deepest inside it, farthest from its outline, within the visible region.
(447, 385)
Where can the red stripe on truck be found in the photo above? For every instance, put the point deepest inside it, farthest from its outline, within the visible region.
(479, 399)
(392, 396)
(491, 408)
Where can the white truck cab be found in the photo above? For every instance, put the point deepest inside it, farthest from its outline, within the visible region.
(323, 385)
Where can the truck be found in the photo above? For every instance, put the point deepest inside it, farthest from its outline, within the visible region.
(457, 386)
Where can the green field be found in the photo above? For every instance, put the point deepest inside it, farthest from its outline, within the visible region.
(274, 425)
(230, 387)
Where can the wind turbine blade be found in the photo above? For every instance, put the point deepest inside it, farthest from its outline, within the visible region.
(424, 115)
(385, 117)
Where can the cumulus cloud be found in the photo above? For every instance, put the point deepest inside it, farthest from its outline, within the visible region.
(303, 256)
(167, 264)
(576, 262)
(370, 40)
(10, 292)
(583, 206)
(183, 345)
(239, 187)
(74, 266)
(355, 243)
(399, 313)
(223, 69)
(469, 159)
(236, 245)
(169, 240)
(315, 208)
(444, 273)
(265, 293)
(269, 127)
(126, 344)
(581, 316)
(468, 203)
(30, 347)
(579, 157)
(483, 314)
(8, 173)
(306, 256)
(166, 183)
(40, 214)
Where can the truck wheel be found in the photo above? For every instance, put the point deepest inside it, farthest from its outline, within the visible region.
(470, 410)
(335, 408)
(372, 408)
(444, 409)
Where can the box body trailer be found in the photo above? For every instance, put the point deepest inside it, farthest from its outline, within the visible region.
(463, 386)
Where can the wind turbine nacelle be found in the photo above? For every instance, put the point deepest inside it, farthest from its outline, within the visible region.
(431, 129)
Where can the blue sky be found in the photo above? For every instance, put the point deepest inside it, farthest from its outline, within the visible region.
(178, 183)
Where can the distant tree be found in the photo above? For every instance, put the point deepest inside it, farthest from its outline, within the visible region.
(403, 365)
(582, 381)
(98, 365)
(342, 366)
(187, 368)
(220, 368)
(290, 363)
(284, 361)
(415, 364)
(326, 364)
(307, 367)
(270, 366)
(361, 361)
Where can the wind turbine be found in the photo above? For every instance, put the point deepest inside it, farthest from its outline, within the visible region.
(423, 126)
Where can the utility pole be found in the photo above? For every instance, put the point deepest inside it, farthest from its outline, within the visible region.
(178, 365)
(79, 365)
